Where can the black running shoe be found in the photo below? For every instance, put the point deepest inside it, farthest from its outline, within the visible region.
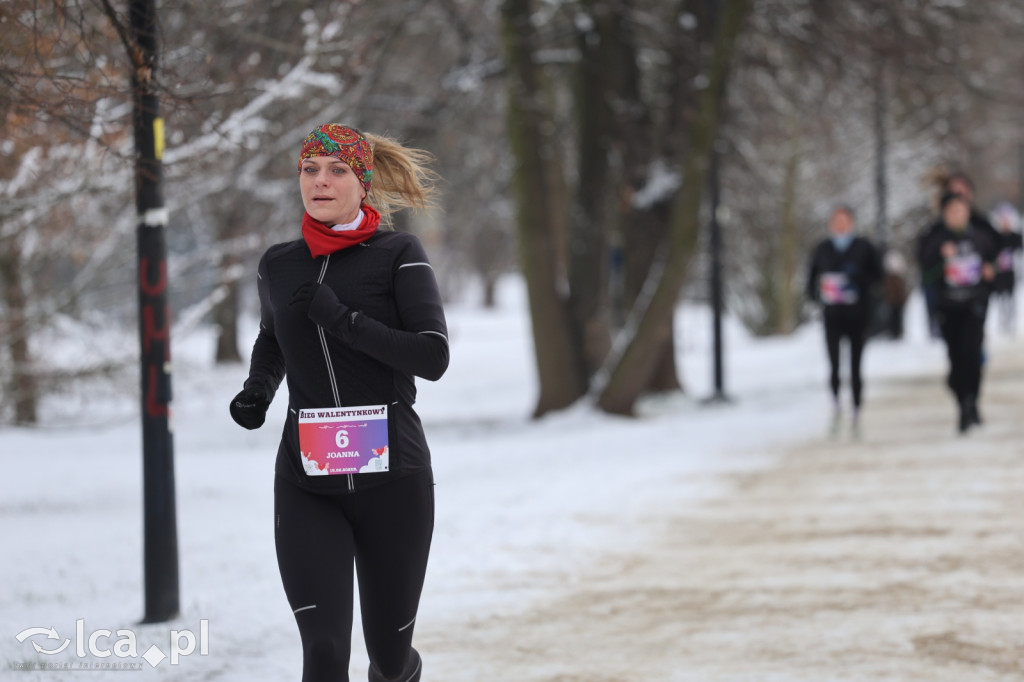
(975, 415)
(966, 420)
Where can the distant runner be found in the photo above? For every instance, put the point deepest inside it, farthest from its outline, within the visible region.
(843, 268)
(959, 258)
(1007, 223)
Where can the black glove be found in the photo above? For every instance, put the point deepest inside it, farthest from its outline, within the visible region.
(302, 297)
(321, 305)
(249, 408)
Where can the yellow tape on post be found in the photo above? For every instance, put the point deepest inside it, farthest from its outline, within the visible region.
(158, 138)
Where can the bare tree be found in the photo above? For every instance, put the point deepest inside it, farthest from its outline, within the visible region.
(56, 97)
(539, 189)
(631, 363)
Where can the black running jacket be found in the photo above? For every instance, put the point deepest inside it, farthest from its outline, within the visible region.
(957, 286)
(393, 330)
(857, 269)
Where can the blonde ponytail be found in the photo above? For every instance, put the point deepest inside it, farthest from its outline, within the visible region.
(401, 177)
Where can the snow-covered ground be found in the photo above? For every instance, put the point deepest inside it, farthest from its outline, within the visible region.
(523, 507)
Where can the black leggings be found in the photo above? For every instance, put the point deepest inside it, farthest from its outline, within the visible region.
(1007, 310)
(385, 531)
(964, 332)
(854, 329)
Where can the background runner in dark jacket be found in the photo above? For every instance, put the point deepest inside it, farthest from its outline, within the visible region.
(350, 314)
(959, 258)
(843, 268)
(1010, 244)
(960, 184)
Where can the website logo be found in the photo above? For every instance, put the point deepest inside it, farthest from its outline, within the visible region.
(123, 651)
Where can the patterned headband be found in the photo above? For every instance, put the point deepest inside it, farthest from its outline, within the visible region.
(342, 142)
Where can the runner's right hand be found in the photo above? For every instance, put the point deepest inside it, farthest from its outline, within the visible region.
(249, 408)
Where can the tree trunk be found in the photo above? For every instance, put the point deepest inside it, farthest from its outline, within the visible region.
(633, 360)
(789, 248)
(24, 386)
(642, 231)
(648, 236)
(225, 315)
(226, 311)
(881, 151)
(536, 186)
(490, 283)
(665, 375)
(593, 211)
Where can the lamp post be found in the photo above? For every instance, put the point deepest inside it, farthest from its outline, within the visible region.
(715, 242)
(160, 535)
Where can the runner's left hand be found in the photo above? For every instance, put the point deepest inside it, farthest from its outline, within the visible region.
(302, 297)
(321, 305)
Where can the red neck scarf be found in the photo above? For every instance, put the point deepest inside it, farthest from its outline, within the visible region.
(322, 240)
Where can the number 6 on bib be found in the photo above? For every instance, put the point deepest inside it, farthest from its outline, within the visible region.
(344, 440)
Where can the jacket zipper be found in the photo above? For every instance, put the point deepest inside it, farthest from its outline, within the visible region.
(327, 359)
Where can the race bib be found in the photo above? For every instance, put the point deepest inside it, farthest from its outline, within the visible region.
(1005, 260)
(963, 271)
(837, 289)
(344, 440)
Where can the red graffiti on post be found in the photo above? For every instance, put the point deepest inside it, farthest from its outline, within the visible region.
(152, 289)
(154, 408)
(155, 404)
(151, 333)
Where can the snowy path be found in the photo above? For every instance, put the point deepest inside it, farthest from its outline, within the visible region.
(688, 544)
(900, 558)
